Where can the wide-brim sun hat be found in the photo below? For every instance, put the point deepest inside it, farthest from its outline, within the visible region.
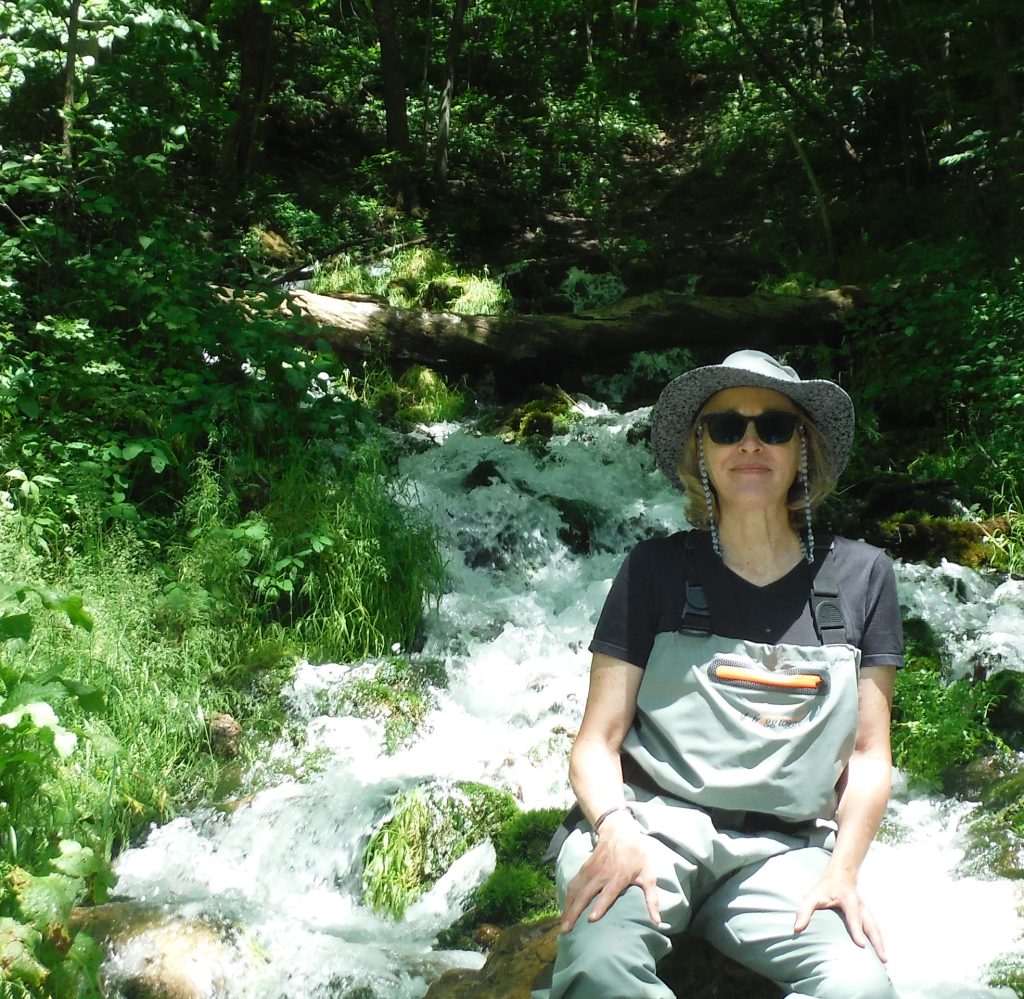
(676, 410)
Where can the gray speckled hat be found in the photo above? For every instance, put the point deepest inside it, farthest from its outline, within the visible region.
(825, 403)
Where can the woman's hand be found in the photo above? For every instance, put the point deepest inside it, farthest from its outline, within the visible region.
(864, 792)
(836, 892)
(623, 857)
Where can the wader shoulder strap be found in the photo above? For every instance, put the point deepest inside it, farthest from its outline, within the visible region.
(825, 606)
(696, 619)
(826, 611)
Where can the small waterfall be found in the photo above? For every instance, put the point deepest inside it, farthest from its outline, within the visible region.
(533, 538)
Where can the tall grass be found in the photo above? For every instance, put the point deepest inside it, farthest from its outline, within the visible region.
(329, 564)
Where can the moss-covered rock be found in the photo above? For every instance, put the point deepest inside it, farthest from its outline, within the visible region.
(920, 537)
(427, 829)
(522, 959)
(551, 411)
(514, 892)
(393, 691)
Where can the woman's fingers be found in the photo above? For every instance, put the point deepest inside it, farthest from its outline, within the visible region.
(874, 933)
(860, 922)
(606, 874)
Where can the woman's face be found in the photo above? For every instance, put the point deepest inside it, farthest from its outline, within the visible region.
(750, 474)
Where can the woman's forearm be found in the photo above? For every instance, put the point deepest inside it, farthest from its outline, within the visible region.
(595, 773)
(861, 808)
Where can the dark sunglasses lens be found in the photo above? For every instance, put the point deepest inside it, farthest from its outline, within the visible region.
(776, 428)
(725, 428)
(772, 428)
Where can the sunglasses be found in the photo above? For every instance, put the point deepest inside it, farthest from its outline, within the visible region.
(773, 427)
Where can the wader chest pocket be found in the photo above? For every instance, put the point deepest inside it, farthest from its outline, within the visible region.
(807, 680)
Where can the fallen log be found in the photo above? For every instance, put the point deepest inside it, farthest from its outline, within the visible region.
(557, 347)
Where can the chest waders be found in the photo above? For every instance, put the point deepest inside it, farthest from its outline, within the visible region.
(756, 735)
(730, 767)
(762, 731)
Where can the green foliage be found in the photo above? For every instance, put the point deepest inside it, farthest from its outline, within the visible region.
(936, 349)
(426, 831)
(32, 739)
(590, 291)
(39, 953)
(1007, 972)
(417, 278)
(513, 893)
(330, 554)
(418, 395)
(646, 374)
(938, 726)
(398, 694)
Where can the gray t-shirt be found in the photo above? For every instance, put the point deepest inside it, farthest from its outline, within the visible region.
(648, 595)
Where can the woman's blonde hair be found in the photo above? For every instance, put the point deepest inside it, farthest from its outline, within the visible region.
(820, 480)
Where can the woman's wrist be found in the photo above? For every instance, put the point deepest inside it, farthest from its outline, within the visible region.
(613, 818)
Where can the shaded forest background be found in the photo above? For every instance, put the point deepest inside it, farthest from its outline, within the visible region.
(214, 473)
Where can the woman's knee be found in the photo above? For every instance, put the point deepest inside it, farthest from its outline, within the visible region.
(616, 955)
(857, 975)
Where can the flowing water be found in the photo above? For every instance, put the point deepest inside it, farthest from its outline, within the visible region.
(533, 540)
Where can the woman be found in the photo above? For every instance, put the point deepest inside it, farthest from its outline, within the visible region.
(733, 763)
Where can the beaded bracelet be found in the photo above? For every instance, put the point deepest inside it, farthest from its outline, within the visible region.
(604, 815)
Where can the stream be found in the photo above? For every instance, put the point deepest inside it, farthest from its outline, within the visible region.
(533, 539)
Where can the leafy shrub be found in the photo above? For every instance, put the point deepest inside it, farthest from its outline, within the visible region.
(938, 726)
(40, 955)
(590, 291)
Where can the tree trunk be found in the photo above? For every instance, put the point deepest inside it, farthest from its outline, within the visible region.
(255, 50)
(66, 146)
(69, 84)
(445, 114)
(525, 348)
(396, 113)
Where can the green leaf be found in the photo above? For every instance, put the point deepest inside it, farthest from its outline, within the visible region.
(17, 953)
(146, 242)
(28, 406)
(77, 861)
(14, 626)
(70, 605)
(46, 901)
(90, 697)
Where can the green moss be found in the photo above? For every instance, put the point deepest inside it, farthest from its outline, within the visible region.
(521, 887)
(525, 837)
(428, 829)
(513, 893)
(549, 413)
(921, 537)
(398, 694)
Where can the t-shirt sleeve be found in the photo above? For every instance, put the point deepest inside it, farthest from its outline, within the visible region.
(628, 621)
(882, 639)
